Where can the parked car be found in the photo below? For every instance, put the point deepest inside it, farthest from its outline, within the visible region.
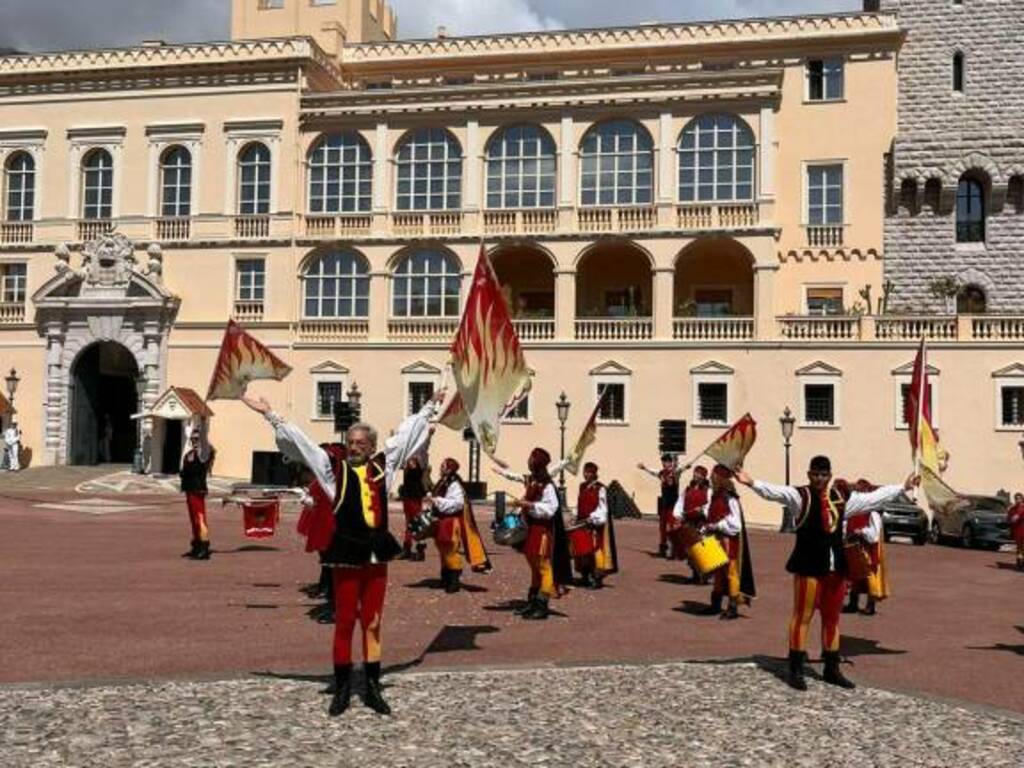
(903, 517)
(973, 522)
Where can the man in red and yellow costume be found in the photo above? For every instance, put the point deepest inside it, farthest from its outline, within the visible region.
(195, 469)
(818, 563)
(725, 521)
(1015, 516)
(865, 532)
(355, 483)
(456, 530)
(592, 512)
(412, 491)
(688, 515)
(668, 476)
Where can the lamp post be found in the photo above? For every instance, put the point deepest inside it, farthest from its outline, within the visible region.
(563, 406)
(12, 382)
(355, 398)
(787, 422)
(139, 462)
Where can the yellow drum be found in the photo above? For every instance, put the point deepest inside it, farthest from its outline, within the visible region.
(708, 555)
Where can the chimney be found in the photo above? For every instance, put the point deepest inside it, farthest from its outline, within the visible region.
(442, 32)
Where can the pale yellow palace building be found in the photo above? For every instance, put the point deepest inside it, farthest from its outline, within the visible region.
(691, 214)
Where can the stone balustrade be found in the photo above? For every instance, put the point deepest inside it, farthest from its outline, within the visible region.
(713, 329)
(911, 328)
(248, 311)
(825, 237)
(252, 227)
(422, 330)
(91, 229)
(997, 328)
(540, 329)
(16, 232)
(615, 329)
(820, 328)
(327, 331)
(12, 312)
(720, 216)
(173, 229)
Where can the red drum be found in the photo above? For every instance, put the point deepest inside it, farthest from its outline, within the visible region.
(581, 540)
(261, 518)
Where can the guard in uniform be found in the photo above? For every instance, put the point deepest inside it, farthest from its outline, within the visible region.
(865, 532)
(1015, 517)
(689, 514)
(725, 521)
(818, 563)
(195, 469)
(668, 476)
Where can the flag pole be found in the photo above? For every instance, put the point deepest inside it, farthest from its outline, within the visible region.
(922, 389)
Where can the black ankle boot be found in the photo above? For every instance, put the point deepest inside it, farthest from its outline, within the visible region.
(193, 551)
(374, 699)
(444, 579)
(204, 551)
(421, 553)
(732, 612)
(342, 690)
(715, 608)
(796, 671)
(453, 585)
(854, 603)
(539, 612)
(531, 596)
(833, 676)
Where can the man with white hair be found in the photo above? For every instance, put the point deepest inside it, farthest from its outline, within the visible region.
(355, 480)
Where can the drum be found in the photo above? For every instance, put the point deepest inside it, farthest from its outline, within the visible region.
(708, 555)
(683, 537)
(422, 526)
(510, 531)
(581, 540)
(858, 562)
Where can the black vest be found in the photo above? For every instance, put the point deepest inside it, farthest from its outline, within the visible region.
(193, 473)
(355, 542)
(412, 484)
(814, 544)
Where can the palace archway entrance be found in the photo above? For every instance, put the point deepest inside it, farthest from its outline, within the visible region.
(103, 399)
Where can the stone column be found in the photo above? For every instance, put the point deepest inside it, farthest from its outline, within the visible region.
(57, 401)
(567, 164)
(664, 289)
(380, 305)
(764, 301)
(565, 304)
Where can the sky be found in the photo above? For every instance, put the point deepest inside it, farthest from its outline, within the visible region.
(48, 25)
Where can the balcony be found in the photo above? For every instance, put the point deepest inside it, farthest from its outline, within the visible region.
(332, 227)
(820, 328)
(616, 219)
(721, 216)
(92, 229)
(542, 329)
(525, 222)
(12, 313)
(825, 237)
(252, 227)
(16, 232)
(426, 330)
(173, 229)
(997, 328)
(426, 224)
(615, 329)
(248, 311)
(910, 328)
(713, 329)
(333, 330)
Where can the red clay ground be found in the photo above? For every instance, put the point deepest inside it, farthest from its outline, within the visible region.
(107, 597)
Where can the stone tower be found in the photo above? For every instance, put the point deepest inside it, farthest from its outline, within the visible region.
(332, 23)
(960, 149)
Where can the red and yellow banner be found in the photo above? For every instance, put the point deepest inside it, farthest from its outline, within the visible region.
(586, 439)
(731, 449)
(242, 359)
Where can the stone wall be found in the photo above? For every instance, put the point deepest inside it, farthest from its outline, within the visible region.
(942, 135)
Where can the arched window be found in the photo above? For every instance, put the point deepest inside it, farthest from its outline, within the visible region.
(617, 161)
(521, 168)
(20, 185)
(971, 300)
(716, 160)
(426, 284)
(97, 185)
(340, 174)
(176, 182)
(254, 180)
(337, 284)
(429, 164)
(970, 211)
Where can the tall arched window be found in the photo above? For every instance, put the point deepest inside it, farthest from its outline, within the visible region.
(340, 174)
(337, 284)
(716, 160)
(958, 72)
(254, 180)
(429, 163)
(970, 211)
(97, 185)
(426, 284)
(616, 165)
(20, 187)
(521, 168)
(176, 182)
(971, 300)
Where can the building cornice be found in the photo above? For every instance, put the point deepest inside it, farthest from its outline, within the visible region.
(612, 40)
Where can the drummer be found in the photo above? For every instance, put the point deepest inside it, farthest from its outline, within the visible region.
(669, 478)
(592, 513)
(864, 530)
(725, 522)
(689, 514)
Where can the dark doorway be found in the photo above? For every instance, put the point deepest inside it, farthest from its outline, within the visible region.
(173, 436)
(103, 400)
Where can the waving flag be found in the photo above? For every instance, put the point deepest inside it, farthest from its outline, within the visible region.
(454, 414)
(586, 439)
(918, 405)
(487, 359)
(242, 359)
(732, 448)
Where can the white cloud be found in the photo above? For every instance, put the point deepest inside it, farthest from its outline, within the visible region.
(421, 18)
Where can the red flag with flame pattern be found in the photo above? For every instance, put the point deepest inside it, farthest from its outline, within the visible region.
(732, 448)
(487, 360)
(586, 439)
(454, 414)
(242, 359)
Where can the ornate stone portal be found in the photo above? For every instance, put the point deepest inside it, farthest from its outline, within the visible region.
(108, 298)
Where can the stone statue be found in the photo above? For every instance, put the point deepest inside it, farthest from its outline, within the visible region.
(63, 254)
(155, 267)
(12, 447)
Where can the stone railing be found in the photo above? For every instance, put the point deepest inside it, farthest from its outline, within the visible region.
(333, 330)
(426, 330)
(348, 225)
(90, 229)
(820, 328)
(541, 329)
(176, 228)
(15, 232)
(717, 216)
(248, 311)
(426, 224)
(615, 329)
(616, 219)
(713, 329)
(12, 313)
(252, 227)
(522, 222)
(909, 328)
(996, 328)
(825, 237)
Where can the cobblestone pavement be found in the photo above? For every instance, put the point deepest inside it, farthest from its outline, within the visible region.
(666, 715)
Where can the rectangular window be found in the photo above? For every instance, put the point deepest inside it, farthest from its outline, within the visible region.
(904, 399)
(251, 279)
(824, 301)
(420, 393)
(825, 80)
(824, 195)
(521, 411)
(613, 402)
(820, 404)
(12, 283)
(327, 394)
(269, 5)
(713, 402)
(713, 303)
(1013, 406)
